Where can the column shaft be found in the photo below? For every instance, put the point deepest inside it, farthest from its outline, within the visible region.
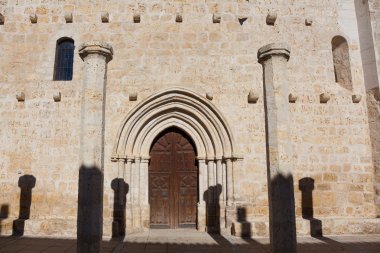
(90, 193)
(128, 181)
(229, 182)
(274, 57)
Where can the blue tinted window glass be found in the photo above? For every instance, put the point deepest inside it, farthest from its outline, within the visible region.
(64, 59)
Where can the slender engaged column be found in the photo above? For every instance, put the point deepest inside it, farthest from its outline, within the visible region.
(211, 181)
(136, 209)
(128, 180)
(128, 173)
(230, 193)
(144, 181)
(121, 168)
(201, 173)
(224, 183)
(144, 193)
(95, 55)
(201, 203)
(219, 180)
(136, 181)
(274, 58)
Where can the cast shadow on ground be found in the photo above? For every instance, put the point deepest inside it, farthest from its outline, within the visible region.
(26, 184)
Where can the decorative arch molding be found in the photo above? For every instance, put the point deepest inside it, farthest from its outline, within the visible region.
(175, 107)
(213, 139)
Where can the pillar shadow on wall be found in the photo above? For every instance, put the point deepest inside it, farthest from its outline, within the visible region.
(120, 188)
(282, 213)
(4, 212)
(26, 184)
(306, 186)
(211, 197)
(241, 215)
(90, 209)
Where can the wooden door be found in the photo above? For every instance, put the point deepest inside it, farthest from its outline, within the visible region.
(173, 181)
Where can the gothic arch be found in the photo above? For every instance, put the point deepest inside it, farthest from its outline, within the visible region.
(202, 122)
(177, 107)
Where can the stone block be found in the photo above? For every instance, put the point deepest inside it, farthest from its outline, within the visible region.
(308, 21)
(356, 98)
(178, 18)
(20, 97)
(271, 18)
(57, 96)
(33, 18)
(292, 98)
(105, 17)
(324, 98)
(133, 96)
(216, 18)
(69, 17)
(253, 97)
(136, 18)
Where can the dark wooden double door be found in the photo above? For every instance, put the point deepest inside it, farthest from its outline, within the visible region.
(173, 181)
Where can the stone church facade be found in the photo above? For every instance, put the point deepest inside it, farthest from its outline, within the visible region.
(222, 116)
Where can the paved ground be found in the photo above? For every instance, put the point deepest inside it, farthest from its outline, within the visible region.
(188, 241)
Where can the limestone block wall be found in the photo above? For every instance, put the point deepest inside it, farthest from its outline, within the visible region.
(40, 137)
(374, 117)
(374, 8)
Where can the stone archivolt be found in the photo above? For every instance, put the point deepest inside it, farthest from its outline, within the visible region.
(184, 109)
(175, 107)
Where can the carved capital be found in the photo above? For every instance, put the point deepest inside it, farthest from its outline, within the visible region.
(96, 47)
(274, 49)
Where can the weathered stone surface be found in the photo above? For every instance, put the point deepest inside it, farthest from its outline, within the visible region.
(282, 222)
(336, 143)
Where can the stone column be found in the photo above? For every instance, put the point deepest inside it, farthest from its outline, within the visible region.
(201, 203)
(128, 173)
(128, 180)
(230, 209)
(220, 206)
(211, 181)
(229, 176)
(95, 55)
(282, 224)
(144, 192)
(135, 187)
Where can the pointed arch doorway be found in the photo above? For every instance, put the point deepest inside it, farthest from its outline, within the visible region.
(173, 180)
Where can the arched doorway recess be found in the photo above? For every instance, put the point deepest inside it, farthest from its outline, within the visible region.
(204, 124)
(173, 181)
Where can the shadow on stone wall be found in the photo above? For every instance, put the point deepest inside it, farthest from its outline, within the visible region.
(4, 212)
(211, 197)
(120, 188)
(26, 184)
(90, 209)
(306, 186)
(241, 215)
(282, 218)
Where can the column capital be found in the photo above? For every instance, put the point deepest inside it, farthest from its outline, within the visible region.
(96, 47)
(201, 159)
(274, 49)
(144, 159)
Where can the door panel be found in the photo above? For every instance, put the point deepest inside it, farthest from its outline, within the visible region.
(173, 177)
